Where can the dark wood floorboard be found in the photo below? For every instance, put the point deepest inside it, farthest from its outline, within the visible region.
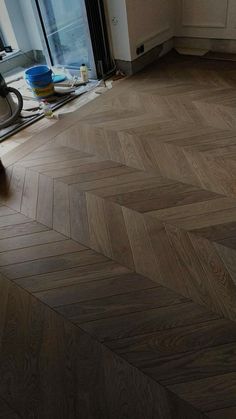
(149, 321)
(95, 267)
(122, 304)
(209, 394)
(176, 340)
(6, 412)
(229, 413)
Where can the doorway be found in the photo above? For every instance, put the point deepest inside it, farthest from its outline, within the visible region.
(75, 33)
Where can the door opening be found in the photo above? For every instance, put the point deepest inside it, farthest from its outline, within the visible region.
(75, 32)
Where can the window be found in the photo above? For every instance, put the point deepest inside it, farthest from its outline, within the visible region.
(7, 34)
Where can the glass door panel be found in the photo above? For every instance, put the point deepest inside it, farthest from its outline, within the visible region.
(66, 30)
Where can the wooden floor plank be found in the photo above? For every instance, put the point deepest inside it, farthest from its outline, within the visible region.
(94, 289)
(92, 267)
(13, 219)
(148, 321)
(47, 265)
(6, 211)
(16, 188)
(33, 161)
(183, 339)
(28, 240)
(69, 167)
(45, 206)
(190, 366)
(6, 412)
(223, 413)
(39, 251)
(209, 394)
(15, 230)
(132, 302)
(61, 217)
(30, 194)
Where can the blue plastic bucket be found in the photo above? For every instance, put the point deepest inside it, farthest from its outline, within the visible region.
(39, 78)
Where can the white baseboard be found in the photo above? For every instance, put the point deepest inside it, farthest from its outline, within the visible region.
(215, 45)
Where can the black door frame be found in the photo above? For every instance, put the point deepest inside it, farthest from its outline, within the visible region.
(99, 36)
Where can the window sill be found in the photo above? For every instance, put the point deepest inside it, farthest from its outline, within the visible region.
(10, 55)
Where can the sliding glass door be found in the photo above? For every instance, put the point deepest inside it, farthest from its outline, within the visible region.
(69, 33)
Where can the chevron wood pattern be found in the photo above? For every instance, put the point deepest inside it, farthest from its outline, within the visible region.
(140, 219)
(50, 366)
(169, 340)
(122, 219)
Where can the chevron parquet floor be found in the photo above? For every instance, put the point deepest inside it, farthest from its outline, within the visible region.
(118, 254)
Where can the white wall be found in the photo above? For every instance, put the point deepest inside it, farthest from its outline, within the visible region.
(206, 19)
(30, 24)
(118, 25)
(150, 22)
(6, 28)
(16, 17)
(135, 22)
(25, 33)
